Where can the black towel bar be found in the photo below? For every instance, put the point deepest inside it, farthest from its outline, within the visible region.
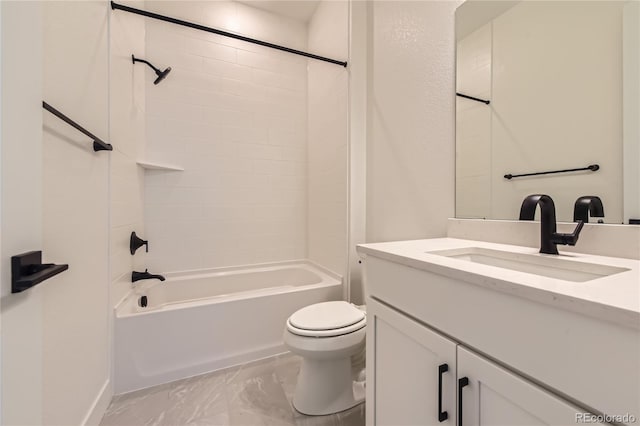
(592, 167)
(98, 144)
(484, 101)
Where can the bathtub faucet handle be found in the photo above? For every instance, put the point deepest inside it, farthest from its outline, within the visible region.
(137, 276)
(136, 242)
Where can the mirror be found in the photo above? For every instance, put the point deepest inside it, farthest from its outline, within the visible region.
(559, 81)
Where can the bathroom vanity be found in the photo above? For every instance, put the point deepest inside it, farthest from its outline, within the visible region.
(499, 334)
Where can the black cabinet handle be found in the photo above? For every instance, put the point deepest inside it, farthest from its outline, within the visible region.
(461, 383)
(442, 415)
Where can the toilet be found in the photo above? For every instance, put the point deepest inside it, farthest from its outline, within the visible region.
(326, 335)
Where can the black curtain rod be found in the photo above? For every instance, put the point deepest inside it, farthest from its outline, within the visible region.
(592, 167)
(117, 6)
(98, 144)
(473, 99)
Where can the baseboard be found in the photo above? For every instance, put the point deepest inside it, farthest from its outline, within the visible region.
(100, 405)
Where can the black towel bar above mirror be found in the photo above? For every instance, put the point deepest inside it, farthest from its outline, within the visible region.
(592, 167)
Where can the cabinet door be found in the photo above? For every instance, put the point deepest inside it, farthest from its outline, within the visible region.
(406, 365)
(496, 397)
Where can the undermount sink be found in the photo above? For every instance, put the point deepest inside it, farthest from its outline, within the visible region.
(547, 266)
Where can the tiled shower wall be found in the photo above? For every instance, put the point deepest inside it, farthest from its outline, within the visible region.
(233, 115)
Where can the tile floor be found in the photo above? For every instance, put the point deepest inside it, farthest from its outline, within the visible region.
(253, 394)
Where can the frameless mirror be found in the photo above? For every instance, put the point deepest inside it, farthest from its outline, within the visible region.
(547, 86)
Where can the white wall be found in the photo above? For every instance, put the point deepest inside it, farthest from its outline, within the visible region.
(233, 115)
(410, 150)
(75, 314)
(21, 214)
(358, 84)
(552, 71)
(328, 137)
(55, 345)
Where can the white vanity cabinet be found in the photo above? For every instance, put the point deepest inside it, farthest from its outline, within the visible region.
(560, 346)
(493, 396)
(411, 371)
(416, 376)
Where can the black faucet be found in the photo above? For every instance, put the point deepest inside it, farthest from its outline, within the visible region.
(137, 276)
(548, 235)
(585, 205)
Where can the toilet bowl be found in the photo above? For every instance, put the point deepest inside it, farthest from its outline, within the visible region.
(326, 335)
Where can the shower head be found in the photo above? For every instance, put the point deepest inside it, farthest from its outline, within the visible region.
(161, 74)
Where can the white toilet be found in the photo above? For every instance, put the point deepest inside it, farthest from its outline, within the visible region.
(326, 335)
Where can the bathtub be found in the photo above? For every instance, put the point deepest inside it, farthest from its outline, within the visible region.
(201, 321)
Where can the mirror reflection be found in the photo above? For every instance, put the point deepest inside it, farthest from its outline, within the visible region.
(548, 87)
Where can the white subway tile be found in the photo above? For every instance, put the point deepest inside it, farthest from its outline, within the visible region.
(245, 134)
(234, 116)
(228, 70)
(258, 151)
(257, 60)
(285, 137)
(227, 117)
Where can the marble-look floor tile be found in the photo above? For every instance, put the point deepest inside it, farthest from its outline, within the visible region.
(241, 373)
(330, 420)
(198, 400)
(259, 393)
(353, 416)
(258, 401)
(145, 407)
(287, 368)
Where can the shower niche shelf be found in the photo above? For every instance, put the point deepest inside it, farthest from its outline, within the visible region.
(159, 166)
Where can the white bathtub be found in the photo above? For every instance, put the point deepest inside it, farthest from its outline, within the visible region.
(200, 321)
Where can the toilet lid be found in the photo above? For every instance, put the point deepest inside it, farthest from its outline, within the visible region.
(360, 325)
(326, 316)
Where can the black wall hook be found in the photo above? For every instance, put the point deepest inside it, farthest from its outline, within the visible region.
(136, 242)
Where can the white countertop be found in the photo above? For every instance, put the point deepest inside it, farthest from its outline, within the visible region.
(614, 298)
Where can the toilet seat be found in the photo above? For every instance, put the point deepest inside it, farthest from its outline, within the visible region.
(327, 319)
(326, 333)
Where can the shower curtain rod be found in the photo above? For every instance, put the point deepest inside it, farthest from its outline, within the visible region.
(117, 6)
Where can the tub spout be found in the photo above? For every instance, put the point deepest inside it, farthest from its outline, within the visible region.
(137, 276)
